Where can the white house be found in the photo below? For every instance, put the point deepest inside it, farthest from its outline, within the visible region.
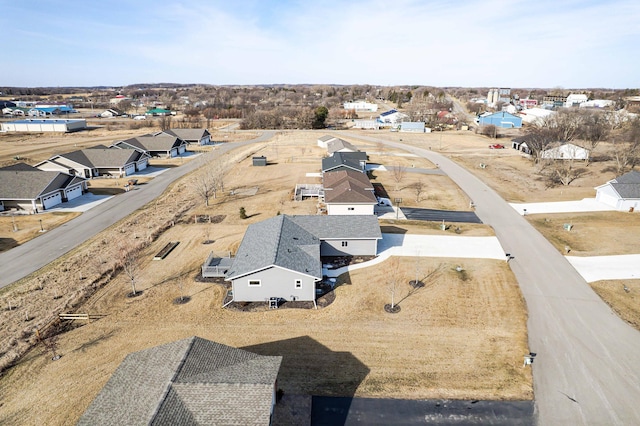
(323, 142)
(621, 193)
(566, 151)
(347, 192)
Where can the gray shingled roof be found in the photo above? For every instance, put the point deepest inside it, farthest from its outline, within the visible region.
(341, 161)
(326, 138)
(109, 157)
(278, 241)
(627, 190)
(155, 142)
(337, 144)
(189, 135)
(630, 177)
(24, 184)
(188, 382)
(340, 226)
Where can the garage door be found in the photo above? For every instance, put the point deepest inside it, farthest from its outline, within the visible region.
(182, 149)
(130, 169)
(174, 152)
(74, 192)
(142, 164)
(51, 200)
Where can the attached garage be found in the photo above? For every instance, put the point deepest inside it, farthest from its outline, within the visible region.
(182, 149)
(73, 192)
(51, 200)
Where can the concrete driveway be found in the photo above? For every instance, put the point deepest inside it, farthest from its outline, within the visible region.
(579, 206)
(429, 246)
(596, 268)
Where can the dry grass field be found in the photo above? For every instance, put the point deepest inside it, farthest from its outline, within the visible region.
(461, 336)
(18, 229)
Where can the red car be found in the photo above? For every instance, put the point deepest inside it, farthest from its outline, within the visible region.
(496, 146)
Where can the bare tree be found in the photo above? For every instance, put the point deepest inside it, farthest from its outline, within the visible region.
(626, 148)
(51, 344)
(563, 172)
(398, 173)
(130, 261)
(395, 278)
(209, 180)
(595, 128)
(418, 188)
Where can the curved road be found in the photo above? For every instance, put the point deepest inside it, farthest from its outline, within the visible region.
(587, 368)
(21, 261)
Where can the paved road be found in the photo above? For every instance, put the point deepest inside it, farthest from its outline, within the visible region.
(413, 213)
(27, 258)
(587, 369)
(369, 411)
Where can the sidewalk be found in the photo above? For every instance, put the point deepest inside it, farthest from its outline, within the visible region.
(584, 205)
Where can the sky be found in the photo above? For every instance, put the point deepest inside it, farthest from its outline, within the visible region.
(467, 43)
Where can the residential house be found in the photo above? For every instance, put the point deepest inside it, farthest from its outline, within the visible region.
(24, 187)
(621, 193)
(501, 119)
(597, 103)
(324, 140)
(161, 144)
(192, 381)
(348, 192)
(192, 136)
(279, 258)
(565, 151)
(520, 144)
(97, 161)
(527, 103)
(345, 161)
(339, 145)
(110, 113)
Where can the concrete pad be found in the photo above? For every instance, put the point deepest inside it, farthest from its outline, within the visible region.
(429, 246)
(80, 204)
(584, 205)
(597, 268)
(314, 175)
(378, 167)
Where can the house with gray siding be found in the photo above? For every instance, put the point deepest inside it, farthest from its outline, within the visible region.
(188, 382)
(24, 187)
(280, 258)
(192, 136)
(345, 161)
(160, 144)
(97, 161)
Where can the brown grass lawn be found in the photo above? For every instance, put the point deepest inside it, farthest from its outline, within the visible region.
(461, 336)
(592, 234)
(624, 302)
(28, 226)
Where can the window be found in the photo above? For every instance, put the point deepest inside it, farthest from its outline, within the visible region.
(351, 209)
(298, 283)
(344, 243)
(254, 283)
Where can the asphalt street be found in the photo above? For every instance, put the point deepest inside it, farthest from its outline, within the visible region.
(27, 258)
(331, 411)
(587, 369)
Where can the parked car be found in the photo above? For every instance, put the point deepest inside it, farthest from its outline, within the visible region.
(496, 146)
